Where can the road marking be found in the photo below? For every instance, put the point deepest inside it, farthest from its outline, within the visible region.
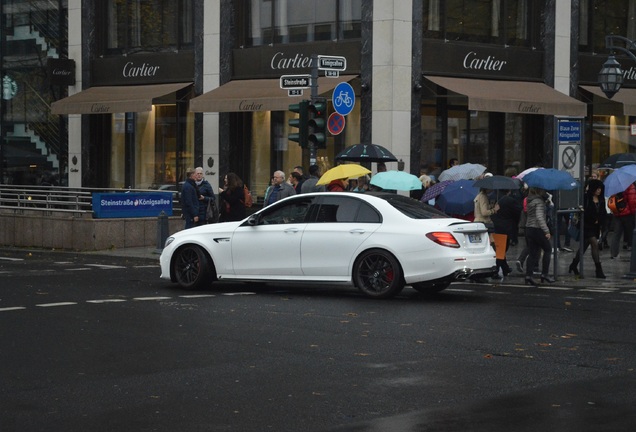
(7, 309)
(497, 292)
(597, 290)
(579, 298)
(105, 266)
(458, 290)
(147, 266)
(197, 296)
(64, 262)
(151, 298)
(106, 301)
(629, 292)
(555, 288)
(239, 294)
(79, 269)
(11, 259)
(56, 304)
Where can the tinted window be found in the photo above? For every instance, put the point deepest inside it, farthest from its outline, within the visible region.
(339, 208)
(290, 212)
(411, 207)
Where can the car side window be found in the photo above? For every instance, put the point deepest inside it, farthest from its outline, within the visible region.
(345, 209)
(294, 211)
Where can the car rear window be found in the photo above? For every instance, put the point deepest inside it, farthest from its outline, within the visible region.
(411, 207)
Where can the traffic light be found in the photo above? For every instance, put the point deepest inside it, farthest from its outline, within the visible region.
(299, 122)
(318, 123)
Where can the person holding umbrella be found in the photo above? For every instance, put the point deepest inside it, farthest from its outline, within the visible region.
(537, 236)
(594, 215)
(506, 222)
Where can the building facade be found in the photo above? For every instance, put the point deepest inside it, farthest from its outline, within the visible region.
(144, 90)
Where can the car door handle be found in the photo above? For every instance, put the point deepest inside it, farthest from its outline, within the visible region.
(357, 231)
(291, 230)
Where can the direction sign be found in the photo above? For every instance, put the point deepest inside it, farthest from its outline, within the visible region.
(343, 98)
(290, 82)
(335, 63)
(335, 123)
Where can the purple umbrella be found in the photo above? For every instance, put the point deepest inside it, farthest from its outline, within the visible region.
(435, 190)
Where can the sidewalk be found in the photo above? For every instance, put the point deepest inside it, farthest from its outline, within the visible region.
(614, 269)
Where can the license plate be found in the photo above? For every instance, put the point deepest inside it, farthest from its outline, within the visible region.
(474, 238)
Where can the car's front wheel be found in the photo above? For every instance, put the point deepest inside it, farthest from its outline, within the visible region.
(191, 267)
(378, 274)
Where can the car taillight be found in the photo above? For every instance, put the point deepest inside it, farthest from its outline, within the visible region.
(443, 238)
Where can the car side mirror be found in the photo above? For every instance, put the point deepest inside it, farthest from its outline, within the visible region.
(252, 220)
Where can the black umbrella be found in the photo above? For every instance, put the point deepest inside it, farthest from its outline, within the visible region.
(496, 182)
(366, 153)
(618, 160)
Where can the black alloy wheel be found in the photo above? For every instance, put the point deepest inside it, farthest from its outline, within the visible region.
(378, 274)
(191, 267)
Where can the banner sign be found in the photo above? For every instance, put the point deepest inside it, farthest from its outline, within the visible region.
(131, 205)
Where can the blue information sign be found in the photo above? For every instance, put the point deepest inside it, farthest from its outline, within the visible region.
(343, 98)
(569, 131)
(129, 205)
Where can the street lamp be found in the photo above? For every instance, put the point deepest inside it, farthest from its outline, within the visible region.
(610, 78)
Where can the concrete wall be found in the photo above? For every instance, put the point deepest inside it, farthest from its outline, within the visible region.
(79, 232)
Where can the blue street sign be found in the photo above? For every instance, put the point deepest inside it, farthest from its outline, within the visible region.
(344, 98)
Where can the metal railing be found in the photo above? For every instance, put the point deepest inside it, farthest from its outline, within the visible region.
(56, 199)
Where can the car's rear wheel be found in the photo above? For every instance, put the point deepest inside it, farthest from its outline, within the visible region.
(430, 288)
(378, 274)
(191, 267)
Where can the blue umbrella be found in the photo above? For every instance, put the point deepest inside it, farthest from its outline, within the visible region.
(620, 179)
(551, 179)
(396, 180)
(457, 198)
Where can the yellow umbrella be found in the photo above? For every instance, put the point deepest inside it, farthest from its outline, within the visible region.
(344, 171)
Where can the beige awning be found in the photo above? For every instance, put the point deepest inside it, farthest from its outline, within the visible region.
(114, 99)
(257, 95)
(625, 96)
(521, 97)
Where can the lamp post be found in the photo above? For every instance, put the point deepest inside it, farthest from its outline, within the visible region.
(610, 79)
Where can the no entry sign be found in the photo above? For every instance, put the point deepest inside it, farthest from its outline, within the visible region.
(335, 123)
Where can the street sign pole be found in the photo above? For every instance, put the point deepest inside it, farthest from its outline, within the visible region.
(314, 94)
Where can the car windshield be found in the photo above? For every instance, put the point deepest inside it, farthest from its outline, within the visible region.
(410, 206)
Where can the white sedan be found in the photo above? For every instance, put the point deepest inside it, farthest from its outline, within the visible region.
(377, 241)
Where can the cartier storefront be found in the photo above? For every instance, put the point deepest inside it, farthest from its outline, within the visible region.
(488, 105)
(139, 133)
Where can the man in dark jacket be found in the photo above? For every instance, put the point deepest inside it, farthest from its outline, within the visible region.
(190, 200)
(279, 190)
(206, 194)
(506, 221)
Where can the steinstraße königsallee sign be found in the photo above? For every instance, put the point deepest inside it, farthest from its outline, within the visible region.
(131, 205)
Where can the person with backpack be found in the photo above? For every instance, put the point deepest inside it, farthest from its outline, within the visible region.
(232, 196)
(623, 208)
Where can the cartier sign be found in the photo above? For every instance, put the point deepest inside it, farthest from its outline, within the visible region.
(143, 69)
(61, 71)
(481, 61)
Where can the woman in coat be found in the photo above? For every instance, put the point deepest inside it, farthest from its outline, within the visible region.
(537, 236)
(594, 215)
(232, 199)
(506, 221)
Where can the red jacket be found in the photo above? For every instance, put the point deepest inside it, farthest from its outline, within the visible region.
(630, 198)
(336, 186)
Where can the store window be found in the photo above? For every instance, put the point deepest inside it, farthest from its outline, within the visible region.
(145, 151)
(509, 22)
(599, 18)
(265, 22)
(278, 153)
(148, 24)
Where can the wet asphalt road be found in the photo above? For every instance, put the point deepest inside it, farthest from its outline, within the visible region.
(99, 343)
